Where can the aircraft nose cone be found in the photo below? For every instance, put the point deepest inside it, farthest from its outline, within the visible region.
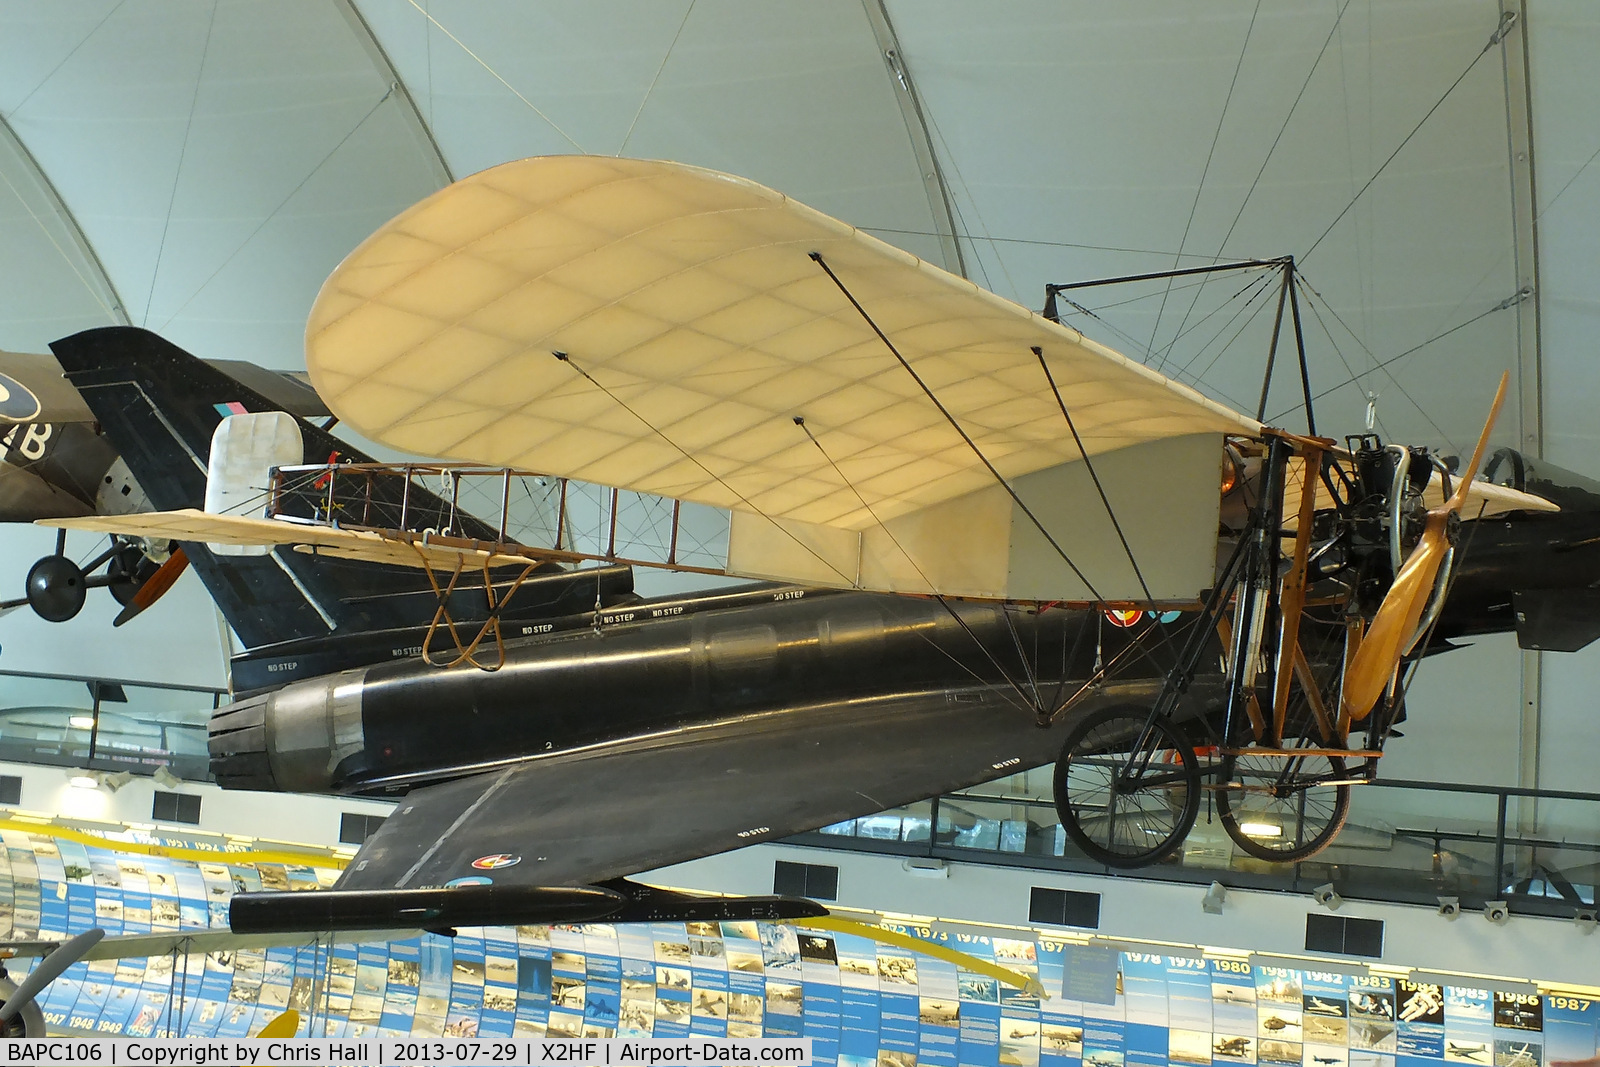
(55, 588)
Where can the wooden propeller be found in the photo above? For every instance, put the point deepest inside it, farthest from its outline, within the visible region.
(282, 1025)
(1387, 640)
(154, 586)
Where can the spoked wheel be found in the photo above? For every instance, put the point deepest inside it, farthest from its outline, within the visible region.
(1276, 810)
(1127, 789)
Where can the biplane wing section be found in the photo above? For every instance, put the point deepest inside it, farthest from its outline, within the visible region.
(190, 524)
(698, 317)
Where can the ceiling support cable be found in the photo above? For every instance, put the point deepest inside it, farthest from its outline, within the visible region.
(816, 257)
(1199, 189)
(1507, 20)
(183, 151)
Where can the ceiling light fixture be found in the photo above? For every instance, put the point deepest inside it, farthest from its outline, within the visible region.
(1261, 829)
(83, 781)
(81, 722)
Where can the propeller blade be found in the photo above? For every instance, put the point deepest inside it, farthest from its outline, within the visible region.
(65, 955)
(1397, 618)
(280, 1026)
(154, 587)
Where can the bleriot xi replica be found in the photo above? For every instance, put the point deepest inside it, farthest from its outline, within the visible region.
(999, 544)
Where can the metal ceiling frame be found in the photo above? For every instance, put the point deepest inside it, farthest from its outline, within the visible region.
(115, 307)
(933, 180)
(380, 59)
(1529, 366)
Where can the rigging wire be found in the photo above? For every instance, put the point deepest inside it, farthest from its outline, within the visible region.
(565, 358)
(1509, 302)
(1031, 704)
(312, 173)
(183, 150)
(1047, 244)
(1256, 181)
(1263, 294)
(496, 75)
(1320, 299)
(66, 58)
(1507, 19)
(816, 257)
(1204, 171)
(648, 92)
(1281, 129)
(1262, 285)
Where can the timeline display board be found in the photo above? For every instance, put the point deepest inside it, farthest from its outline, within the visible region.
(862, 1002)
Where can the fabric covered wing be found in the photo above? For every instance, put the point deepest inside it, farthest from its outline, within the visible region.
(620, 809)
(697, 328)
(190, 524)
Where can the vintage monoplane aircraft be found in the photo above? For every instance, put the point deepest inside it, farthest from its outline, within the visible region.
(55, 462)
(993, 524)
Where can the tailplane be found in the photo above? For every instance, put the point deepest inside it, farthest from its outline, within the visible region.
(298, 615)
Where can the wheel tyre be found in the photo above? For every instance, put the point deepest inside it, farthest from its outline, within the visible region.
(1254, 846)
(55, 588)
(1166, 738)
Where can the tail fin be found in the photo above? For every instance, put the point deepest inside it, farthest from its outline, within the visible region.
(159, 406)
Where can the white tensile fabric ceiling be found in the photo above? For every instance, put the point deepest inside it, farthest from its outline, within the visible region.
(199, 166)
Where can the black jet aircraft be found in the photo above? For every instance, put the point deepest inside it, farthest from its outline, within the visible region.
(613, 741)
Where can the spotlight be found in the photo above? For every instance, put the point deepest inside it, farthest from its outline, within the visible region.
(112, 782)
(1450, 907)
(1325, 896)
(1586, 920)
(1496, 911)
(166, 779)
(1211, 903)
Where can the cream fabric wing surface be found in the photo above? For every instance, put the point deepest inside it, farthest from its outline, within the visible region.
(697, 327)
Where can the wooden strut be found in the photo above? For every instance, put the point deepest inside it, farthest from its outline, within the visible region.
(1293, 596)
(467, 653)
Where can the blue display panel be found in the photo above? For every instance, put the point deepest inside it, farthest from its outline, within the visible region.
(863, 1003)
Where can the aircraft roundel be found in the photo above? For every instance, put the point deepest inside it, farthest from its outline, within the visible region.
(17, 402)
(495, 862)
(1123, 618)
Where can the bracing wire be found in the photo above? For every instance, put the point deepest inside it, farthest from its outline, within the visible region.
(183, 150)
(1506, 19)
(848, 580)
(687, 11)
(951, 419)
(312, 173)
(496, 75)
(1194, 207)
(1256, 181)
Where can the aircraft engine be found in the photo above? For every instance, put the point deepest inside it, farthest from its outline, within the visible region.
(27, 1023)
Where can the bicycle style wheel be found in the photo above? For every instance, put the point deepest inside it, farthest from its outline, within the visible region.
(1127, 789)
(1277, 809)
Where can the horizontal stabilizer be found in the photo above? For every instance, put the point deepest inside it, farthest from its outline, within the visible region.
(1557, 620)
(430, 909)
